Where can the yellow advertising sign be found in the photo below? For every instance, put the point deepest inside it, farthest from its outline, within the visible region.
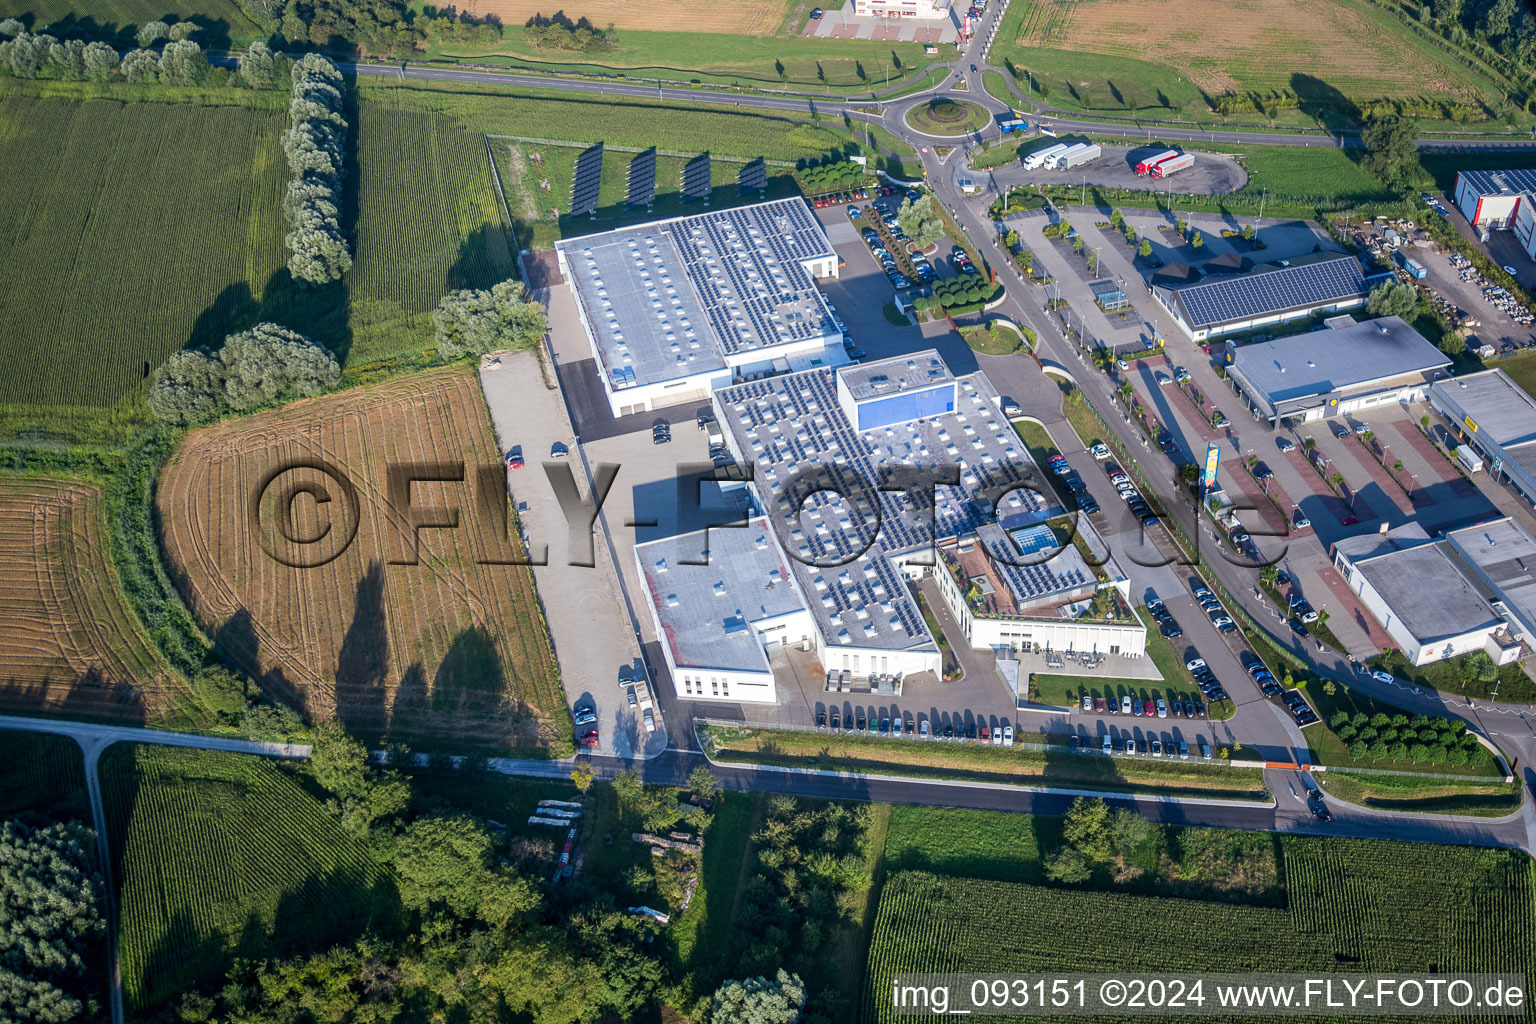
(1467, 422)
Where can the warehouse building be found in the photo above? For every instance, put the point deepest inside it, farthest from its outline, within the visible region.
(1492, 199)
(1495, 418)
(675, 309)
(1343, 368)
(1271, 293)
(1499, 557)
(1421, 596)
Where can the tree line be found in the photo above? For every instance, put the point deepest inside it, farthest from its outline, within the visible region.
(315, 146)
(178, 61)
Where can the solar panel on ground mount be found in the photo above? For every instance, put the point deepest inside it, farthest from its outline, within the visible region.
(642, 178)
(586, 180)
(696, 177)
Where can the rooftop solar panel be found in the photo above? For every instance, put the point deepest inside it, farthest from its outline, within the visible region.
(1262, 292)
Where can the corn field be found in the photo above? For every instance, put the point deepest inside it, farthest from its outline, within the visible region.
(1352, 906)
(219, 856)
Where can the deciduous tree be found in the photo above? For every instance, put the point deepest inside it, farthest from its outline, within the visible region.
(759, 1001)
(474, 321)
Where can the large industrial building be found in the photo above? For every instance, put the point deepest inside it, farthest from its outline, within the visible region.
(825, 563)
(1343, 368)
(675, 309)
(1497, 419)
(1419, 592)
(1271, 293)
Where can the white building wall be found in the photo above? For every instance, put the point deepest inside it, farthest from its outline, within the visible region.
(1525, 227)
(727, 686)
(1416, 652)
(864, 661)
(901, 8)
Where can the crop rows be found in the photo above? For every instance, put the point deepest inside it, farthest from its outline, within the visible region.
(67, 638)
(128, 231)
(450, 648)
(219, 855)
(1362, 906)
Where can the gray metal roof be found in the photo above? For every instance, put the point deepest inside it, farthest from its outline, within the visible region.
(1504, 553)
(1428, 593)
(673, 298)
(1271, 288)
(1500, 183)
(707, 611)
(888, 376)
(1368, 545)
(1500, 407)
(794, 423)
(1336, 359)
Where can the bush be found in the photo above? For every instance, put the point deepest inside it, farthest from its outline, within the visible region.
(255, 368)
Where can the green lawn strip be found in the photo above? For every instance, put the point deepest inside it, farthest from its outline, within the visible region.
(1001, 153)
(996, 86)
(1446, 676)
(1318, 629)
(810, 65)
(703, 933)
(945, 116)
(1423, 796)
(949, 760)
(1092, 82)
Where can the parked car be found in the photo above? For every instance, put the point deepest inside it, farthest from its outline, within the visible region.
(584, 713)
(588, 737)
(1125, 705)
(837, 719)
(1130, 745)
(515, 457)
(1099, 451)
(1087, 703)
(1286, 444)
(922, 729)
(649, 718)
(1157, 748)
(1007, 734)
(1382, 677)
(1162, 708)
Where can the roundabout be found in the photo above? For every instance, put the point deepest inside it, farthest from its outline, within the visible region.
(944, 117)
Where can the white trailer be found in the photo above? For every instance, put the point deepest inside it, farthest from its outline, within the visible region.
(1173, 165)
(1041, 158)
(1083, 153)
(1056, 161)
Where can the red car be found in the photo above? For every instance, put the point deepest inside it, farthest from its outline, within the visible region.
(1149, 711)
(588, 737)
(515, 458)
(1349, 519)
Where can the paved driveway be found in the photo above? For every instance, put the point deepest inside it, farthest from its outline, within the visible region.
(583, 605)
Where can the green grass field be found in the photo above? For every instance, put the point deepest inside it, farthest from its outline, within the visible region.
(44, 774)
(837, 65)
(1490, 799)
(1348, 905)
(138, 228)
(220, 856)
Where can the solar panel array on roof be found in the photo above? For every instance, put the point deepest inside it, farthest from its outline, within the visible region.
(793, 424)
(696, 178)
(753, 177)
(642, 178)
(587, 180)
(1263, 292)
(1032, 582)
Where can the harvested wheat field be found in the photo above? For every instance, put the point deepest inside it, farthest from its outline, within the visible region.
(737, 17)
(1257, 44)
(68, 641)
(285, 541)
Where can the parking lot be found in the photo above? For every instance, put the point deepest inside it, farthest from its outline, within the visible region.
(592, 635)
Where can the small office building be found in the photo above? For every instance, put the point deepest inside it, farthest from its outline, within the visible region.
(1493, 199)
(1343, 368)
(1495, 418)
(1271, 293)
(901, 8)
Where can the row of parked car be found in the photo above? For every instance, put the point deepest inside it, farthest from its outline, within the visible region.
(1059, 467)
(1138, 706)
(1154, 745)
(919, 727)
(1206, 679)
(1130, 495)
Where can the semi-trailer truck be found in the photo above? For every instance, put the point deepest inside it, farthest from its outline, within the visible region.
(1173, 164)
(1145, 167)
(1078, 155)
(1043, 157)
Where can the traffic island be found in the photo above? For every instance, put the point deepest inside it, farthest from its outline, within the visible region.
(945, 118)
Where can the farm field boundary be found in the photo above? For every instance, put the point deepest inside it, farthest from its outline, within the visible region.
(70, 643)
(451, 648)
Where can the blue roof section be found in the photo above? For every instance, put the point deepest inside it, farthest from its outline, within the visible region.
(1500, 183)
(1271, 289)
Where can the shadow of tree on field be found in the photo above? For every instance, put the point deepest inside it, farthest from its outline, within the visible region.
(470, 677)
(1322, 102)
(363, 661)
(412, 704)
(483, 259)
